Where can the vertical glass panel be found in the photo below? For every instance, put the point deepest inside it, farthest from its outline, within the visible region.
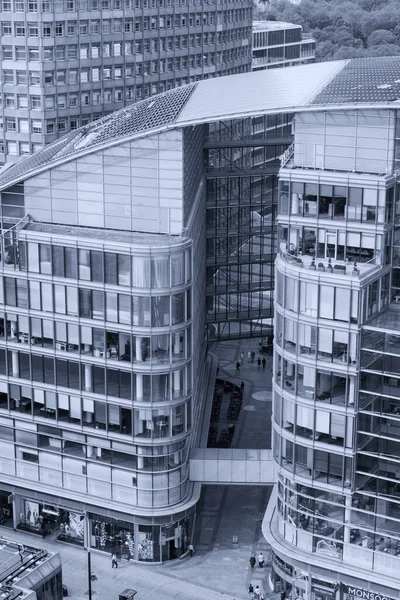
(140, 271)
(58, 261)
(124, 309)
(84, 264)
(71, 267)
(33, 257)
(177, 269)
(159, 271)
(97, 305)
(112, 307)
(45, 258)
(111, 271)
(97, 266)
(72, 301)
(124, 275)
(47, 297)
(60, 299)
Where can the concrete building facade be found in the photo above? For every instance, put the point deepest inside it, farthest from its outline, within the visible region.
(67, 63)
(279, 44)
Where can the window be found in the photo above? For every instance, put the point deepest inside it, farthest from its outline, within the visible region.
(19, 6)
(22, 78)
(9, 101)
(22, 101)
(48, 54)
(12, 148)
(72, 76)
(60, 52)
(24, 148)
(84, 75)
(49, 78)
(36, 127)
(20, 29)
(46, 30)
(84, 52)
(49, 101)
(35, 102)
(95, 50)
(6, 29)
(62, 126)
(61, 101)
(33, 30)
(83, 27)
(59, 29)
(8, 77)
(7, 52)
(33, 54)
(6, 6)
(61, 77)
(49, 127)
(71, 28)
(107, 73)
(72, 52)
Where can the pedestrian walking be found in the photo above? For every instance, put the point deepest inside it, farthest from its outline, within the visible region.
(114, 562)
(252, 561)
(283, 595)
(241, 357)
(242, 387)
(238, 367)
(251, 592)
(264, 362)
(257, 592)
(21, 552)
(261, 560)
(259, 362)
(191, 549)
(253, 355)
(249, 356)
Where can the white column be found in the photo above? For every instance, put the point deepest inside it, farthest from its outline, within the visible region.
(15, 365)
(177, 343)
(295, 204)
(347, 520)
(177, 381)
(88, 378)
(89, 451)
(13, 327)
(352, 389)
(138, 347)
(139, 386)
(140, 462)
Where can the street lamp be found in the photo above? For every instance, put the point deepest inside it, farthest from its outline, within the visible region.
(89, 561)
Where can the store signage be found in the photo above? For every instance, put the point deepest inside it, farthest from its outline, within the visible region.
(282, 565)
(323, 591)
(363, 594)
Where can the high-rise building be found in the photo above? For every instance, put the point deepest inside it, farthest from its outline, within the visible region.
(279, 44)
(104, 262)
(335, 529)
(65, 63)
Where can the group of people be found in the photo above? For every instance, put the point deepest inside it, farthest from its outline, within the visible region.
(255, 593)
(251, 356)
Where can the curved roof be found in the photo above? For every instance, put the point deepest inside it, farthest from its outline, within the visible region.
(338, 85)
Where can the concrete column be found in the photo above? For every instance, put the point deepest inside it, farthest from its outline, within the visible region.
(138, 348)
(139, 386)
(89, 451)
(15, 365)
(140, 462)
(88, 378)
(347, 520)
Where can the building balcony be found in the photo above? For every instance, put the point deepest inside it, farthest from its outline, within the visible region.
(336, 268)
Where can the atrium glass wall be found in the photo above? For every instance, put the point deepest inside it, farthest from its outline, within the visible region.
(241, 167)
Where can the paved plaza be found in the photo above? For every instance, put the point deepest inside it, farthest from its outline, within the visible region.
(220, 569)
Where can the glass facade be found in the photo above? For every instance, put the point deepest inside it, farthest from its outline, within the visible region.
(336, 370)
(105, 338)
(241, 167)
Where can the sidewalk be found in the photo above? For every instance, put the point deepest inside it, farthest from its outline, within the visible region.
(220, 569)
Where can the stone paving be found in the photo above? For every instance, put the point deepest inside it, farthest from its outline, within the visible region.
(220, 569)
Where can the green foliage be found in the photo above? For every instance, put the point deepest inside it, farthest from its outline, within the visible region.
(342, 28)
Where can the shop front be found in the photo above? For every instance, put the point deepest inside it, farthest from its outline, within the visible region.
(46, 519)
(323, 590)
(281, 576)
(351, 592)
(140, 541)
(6, 509)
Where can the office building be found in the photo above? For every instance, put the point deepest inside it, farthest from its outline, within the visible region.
(65, 63)
(29, 573)
(279, 44)
(107, 238)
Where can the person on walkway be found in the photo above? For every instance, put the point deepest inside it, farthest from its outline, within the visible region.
(261, 560)
(21, 552)
(238, 367)
(251, 592)
(283, 595)
(242, 387)
(257, 592)
(252, 562)
(253, 355)
(241, 357)
(114, 562)
(249, 356)
(264, 362)
(191, 549)
(259, 362)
